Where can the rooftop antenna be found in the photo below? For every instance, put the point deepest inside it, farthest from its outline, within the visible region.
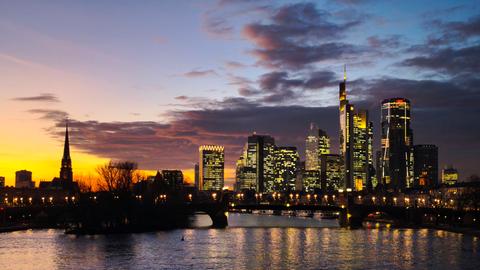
(345, 72)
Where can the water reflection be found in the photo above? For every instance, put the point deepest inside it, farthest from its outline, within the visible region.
(283, 244)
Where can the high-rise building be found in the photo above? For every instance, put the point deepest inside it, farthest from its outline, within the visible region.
(211, 167)
(66, 174)
(311, 181)
(2, 181)
(346, 134)
(425, 169)
(449, 176)
(23, 179)
(362, 150)
(356, 137)
(245, 175)
(312, 149)
(261, 157)
(397, 144)
(331, 173)
(174, 178)
(285, 168)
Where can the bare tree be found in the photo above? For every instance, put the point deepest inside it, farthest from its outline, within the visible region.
(117, 176)
(86, 182)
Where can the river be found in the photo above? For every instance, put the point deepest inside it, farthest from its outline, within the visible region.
(250, 242)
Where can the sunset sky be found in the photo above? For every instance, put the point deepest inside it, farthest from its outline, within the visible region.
(150, 81)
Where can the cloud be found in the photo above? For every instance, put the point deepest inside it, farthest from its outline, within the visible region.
(217, 26)
(47, 114)
(299, 35)
(45, 97)
(448, 60)
(234, 65)
(454, 32)
(200, 73)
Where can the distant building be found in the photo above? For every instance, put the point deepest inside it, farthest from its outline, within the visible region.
(197, 175)
(255, 166)
(286, 160)
(211, 167)
(331, 173)
(23, 179)
(174, 179)
(397, 144)
(449, 176)
(65, 179)
(311, 181)
(2, 181)
(311, 149)
(425, 165)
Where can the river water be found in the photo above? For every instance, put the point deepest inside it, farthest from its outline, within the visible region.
(250, 242)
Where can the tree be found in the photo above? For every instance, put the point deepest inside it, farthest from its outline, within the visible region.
(118, 176)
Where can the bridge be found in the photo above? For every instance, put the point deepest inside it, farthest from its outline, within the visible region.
(353, 209)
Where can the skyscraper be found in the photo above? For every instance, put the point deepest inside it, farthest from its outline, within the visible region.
(66, 174)
(286, 161)
(397, 144)
(245, 174)
(211, 167)
(331, 173)
(261, 157)
(356, 137)
(312, 149)
(2, 181)
(362, 149)
(425, 165)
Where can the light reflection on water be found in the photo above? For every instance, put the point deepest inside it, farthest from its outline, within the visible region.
(252, 242)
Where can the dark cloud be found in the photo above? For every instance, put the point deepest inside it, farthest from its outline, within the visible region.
(453, 32)
(200, 73)
(45, 97)
(299, 35)
(449, 60)
(390, 42)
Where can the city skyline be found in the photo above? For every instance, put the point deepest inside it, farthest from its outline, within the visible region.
(253, 85)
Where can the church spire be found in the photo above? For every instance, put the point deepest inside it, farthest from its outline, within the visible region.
(66, 147)
(66, 173)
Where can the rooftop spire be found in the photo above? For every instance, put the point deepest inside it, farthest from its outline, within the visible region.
(345, 72)
(66, 147)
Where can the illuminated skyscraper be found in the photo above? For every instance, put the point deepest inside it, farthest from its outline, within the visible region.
(397, 144)
(286, 161)
(356, 136)
(311, 149)
(255, 166)
(362, 150)
(211, 167)
(425, 165)
(346, 134)
(331, 173)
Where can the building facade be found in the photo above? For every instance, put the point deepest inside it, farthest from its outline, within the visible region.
(449, 176)
(425, 169)
(174, 178)
(286, 161)
(211, 167)
(2, 181)
(397, 144)
(331, 173)
(23, 179)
